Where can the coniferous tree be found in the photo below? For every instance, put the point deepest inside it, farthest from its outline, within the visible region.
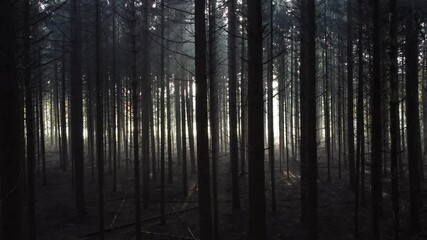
(376, 135)
(203, 168)
(308, 119)
(257, 224)
(412, 118)
(232, 91)
(77, 106)
(10, 126)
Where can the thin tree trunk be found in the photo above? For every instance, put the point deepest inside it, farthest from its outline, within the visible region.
(41, 122)
(190, 128)
(64, 153)
(184, 142)
(350, 105)
(100, 118)
(394, 117)
(271, 149)
(135, 120)
(162, 113)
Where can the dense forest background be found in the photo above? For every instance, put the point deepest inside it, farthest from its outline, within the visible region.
(213, 119)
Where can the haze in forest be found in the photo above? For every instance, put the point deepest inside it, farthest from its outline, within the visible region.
(213, 119)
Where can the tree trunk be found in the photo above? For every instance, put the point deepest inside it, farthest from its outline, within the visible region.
(394, 116)
(257, 223)
(30, 126)
(350, 105)
(213, 107)
(10, 126)
(64, 153)
(135, 120)
(76, 107)
(271, 149)
(376, 135)
(190, 127)
(308, 119)
(41, 122)
(146, 87)
(412, 119)
(184, 142)
(232, 89)
(162, 113)
(203, 168)
(99, 119)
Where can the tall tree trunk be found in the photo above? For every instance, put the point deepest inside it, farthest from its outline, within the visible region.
(41, 122)
(213, 107)
(162, 113)
(243, 102)
(350, 104)
(190, 128)
(114, 103)
(203, 168)
(257, 224)
(376, 135)
(271, 149)
(412, 119)
(394, 116)
(360, 118)
(232, 89)
(145, 104)
(64, 153)
(326, 105)
(10, 126)
(135, 120)
(177, 92)
(184, 141)
(308, 119)
(76, 107)
(30, 126)
(99, 119)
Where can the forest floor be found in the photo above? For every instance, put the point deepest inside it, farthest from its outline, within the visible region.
(56, 217)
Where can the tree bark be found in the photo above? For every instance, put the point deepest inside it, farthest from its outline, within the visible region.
(412, 119)
(76, 107)
(308, 120)
(203, 168)
(257, 223)
(232, 89)
(376, 135)
(10, 126)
